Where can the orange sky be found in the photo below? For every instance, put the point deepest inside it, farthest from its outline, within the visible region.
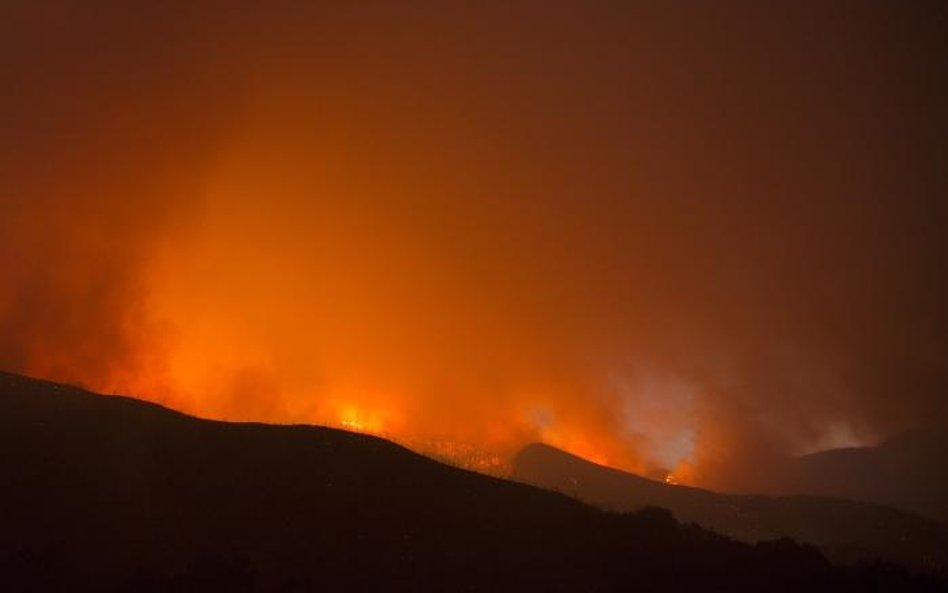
(648, 235)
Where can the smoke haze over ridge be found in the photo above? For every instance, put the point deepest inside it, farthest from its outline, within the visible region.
(643, 234)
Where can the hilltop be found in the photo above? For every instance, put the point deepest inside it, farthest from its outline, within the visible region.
(106, 493)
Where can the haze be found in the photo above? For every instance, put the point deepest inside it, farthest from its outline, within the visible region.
(665, 236)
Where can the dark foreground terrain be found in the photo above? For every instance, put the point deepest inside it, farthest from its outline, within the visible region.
(845, 530)
(113, 494)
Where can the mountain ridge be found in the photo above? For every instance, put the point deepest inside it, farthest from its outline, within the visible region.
(906, 471)
(846, 530)
(107, 493)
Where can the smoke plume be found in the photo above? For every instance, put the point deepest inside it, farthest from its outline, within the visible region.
(667, 238)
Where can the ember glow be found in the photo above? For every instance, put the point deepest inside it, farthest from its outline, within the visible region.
(609, 228)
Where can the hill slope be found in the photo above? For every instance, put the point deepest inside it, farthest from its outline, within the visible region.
(844, 529)
(907, 471)
(112, 494)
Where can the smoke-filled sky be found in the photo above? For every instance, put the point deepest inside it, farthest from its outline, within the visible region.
(667, 236)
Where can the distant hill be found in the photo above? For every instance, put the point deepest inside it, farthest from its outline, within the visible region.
(908, 471)
(113, 494)
(845, 530)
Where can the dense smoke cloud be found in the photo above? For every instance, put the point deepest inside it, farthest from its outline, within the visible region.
(107, 121)
(644, 234)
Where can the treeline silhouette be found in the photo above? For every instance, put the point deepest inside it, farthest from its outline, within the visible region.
(113, 494)
(844, 530)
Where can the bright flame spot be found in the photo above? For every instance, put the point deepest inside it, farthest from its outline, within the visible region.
(682, 475)
(357, 420)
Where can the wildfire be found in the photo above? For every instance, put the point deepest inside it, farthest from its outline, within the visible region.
(358, 420)
(682, 475)
(464, 455)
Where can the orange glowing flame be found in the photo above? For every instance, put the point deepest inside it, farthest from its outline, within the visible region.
(356, 419)
(339, 312)
(682, 475)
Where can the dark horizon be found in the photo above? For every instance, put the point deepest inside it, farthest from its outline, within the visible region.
(112, 494)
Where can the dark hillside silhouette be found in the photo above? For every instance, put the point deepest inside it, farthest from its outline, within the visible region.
(907, 471)
(113, 494)
(845, 530)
